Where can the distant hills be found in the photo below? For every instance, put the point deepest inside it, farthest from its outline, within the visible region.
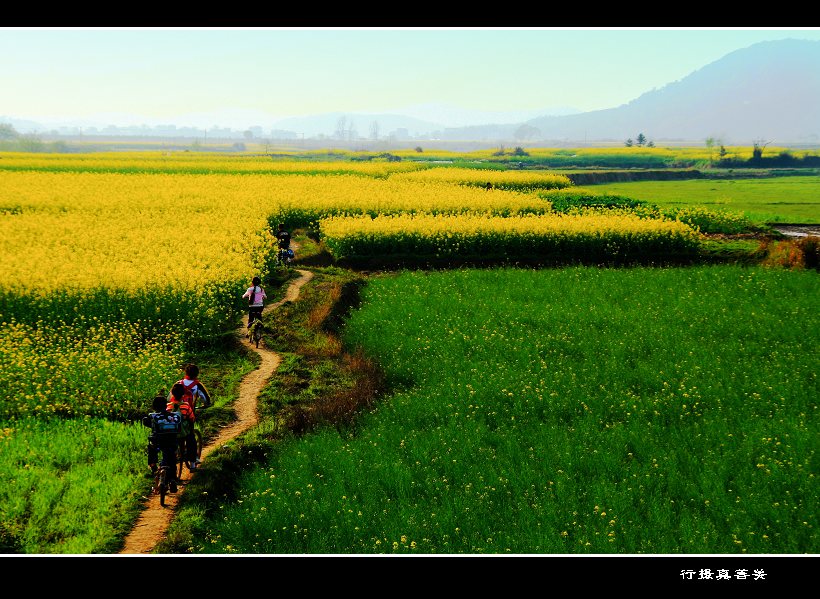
(769, 91)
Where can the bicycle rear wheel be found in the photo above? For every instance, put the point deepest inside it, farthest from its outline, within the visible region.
(257, 335)
(182, 454)
(163, 485)
(181, 451)
(198, 436)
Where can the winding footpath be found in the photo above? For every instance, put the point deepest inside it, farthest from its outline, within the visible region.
(155, 519)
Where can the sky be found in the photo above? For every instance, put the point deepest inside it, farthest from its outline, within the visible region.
(161, 74)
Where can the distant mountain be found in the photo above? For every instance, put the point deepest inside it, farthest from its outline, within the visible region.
(328, 123)
(442, 122)
(455, 116)
(768, 91)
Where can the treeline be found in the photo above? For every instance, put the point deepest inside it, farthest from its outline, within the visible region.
(784, 158)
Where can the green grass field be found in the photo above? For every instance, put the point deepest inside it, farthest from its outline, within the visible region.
(50, 468)
(575, 410)
(776, 199)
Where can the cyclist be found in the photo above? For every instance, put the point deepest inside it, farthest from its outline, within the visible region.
(283, 237)
(180, 404)
(256, 300)
(164, 438)
(283, 241)
(195, 387)
(193, 391)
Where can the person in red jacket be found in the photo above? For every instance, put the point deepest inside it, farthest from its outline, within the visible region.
(193, 391)
(178, 403)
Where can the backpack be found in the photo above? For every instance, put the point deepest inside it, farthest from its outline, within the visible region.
(187, 396)
(166, 426)
(253, 293)
(183, 410)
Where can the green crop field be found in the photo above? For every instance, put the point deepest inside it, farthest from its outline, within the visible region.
(778, 199)
(575, 410)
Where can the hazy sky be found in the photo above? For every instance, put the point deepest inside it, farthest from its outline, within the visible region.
(160, 73)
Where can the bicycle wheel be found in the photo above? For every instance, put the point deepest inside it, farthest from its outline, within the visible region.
(180, 458)
(257, 335)
(198, 436)
(163, 485)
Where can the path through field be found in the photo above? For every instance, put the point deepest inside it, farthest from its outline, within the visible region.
(155, 519)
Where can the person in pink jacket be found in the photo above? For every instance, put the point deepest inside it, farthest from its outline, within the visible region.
(256, 300)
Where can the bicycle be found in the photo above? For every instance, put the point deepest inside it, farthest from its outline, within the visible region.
(255, 331)
(162, 485)
(182, 453)
(284, 257)
(182, 449)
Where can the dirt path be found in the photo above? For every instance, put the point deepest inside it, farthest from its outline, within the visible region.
(155, 519)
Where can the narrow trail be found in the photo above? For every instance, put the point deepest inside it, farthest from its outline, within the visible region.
(155, 519)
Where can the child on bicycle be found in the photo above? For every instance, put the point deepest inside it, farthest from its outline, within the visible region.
(192, 392)
(256, 300)
(284, 254)
(194, 389)
(283, 237)
(179, 404)
(164, 437)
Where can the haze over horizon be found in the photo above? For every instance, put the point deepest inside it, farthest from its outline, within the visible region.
(238, 77)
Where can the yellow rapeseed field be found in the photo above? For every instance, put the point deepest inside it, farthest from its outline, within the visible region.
(194, 163)
(477, 233)
(509, 179)
(128, 231)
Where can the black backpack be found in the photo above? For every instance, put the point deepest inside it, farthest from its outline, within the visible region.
(166, 425)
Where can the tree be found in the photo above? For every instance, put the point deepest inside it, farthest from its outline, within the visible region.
(248, 134)
(650, 144)
(641, 140)
(710, 143)
(7, 131)
(722, 152)
(341, 127)
(628, 143)
(757, 149)
(419, 150)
